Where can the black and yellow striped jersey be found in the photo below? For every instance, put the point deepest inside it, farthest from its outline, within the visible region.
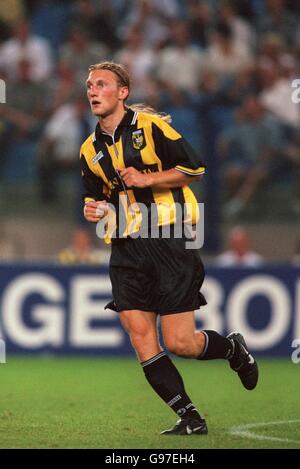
(147, 143)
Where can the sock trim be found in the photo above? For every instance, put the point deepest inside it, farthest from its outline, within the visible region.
(206, 344)
(153, 359)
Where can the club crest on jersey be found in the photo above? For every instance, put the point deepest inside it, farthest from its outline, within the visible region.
(138, 139)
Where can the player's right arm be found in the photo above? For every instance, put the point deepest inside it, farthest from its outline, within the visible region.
(94, 210)
(95, 204)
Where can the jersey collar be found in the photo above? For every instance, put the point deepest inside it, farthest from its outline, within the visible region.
(128, 120)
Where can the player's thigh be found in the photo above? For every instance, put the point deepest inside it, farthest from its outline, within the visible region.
(132, 289)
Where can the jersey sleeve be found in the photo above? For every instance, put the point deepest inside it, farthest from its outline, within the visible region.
(92, 184)
(174, 151)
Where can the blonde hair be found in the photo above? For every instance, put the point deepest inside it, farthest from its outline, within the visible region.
(124, 80)
(141, 107)
(118, 69)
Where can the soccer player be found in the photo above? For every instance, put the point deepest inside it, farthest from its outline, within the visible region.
(135, 157)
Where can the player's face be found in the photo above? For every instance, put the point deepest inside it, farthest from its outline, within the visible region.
(104, 93)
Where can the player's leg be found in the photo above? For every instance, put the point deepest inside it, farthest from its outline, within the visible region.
(142, 329)
(178, 299)
(182, 338)
(159, 370)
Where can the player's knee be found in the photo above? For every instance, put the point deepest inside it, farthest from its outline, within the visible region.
(140, 342)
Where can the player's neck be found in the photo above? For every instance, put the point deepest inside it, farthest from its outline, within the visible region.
(108, 124)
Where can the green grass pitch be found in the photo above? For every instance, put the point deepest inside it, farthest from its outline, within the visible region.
(107, 403)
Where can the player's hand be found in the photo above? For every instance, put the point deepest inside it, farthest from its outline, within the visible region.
(94, 211)
(134, 178)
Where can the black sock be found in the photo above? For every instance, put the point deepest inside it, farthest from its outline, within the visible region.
(166, 381)
(216, 346)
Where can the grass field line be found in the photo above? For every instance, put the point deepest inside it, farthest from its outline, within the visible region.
(243, 431)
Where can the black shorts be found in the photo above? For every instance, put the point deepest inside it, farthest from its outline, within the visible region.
(155, 274)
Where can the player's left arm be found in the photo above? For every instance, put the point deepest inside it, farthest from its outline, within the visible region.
(168, 179)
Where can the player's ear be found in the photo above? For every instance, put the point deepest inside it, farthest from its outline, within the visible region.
(123, 92)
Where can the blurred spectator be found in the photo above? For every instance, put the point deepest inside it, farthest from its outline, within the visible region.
(4, 31)
(82, 251)
(11, 248)
(277, 68)
(292, 153)
(225, 56)
(297, 44)
(4, 137)
(279, 20)
(11, 11)
(232, 93)
(152, 17)
(239, 252)
(272, 51)
(99, 19)
(24, 46)
(199, 17)
(296, 257)
(63, 86)
(23, 118)
(58, 151)
(276, 93)
(242, 32)
(79, 52)
(140, 61)
(180, 63)
(25, 106)
(247, 9)
(24, 95)
(251, 147)
(183, 108)
(49, 19)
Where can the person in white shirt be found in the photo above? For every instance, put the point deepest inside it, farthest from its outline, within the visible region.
(243, 33)
(276, 93)
(180, 64)
(140, 59)
(24, 46)
(239, 252)
(58, 147)
(225, 56)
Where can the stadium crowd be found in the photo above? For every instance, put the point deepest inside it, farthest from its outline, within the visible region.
(223, 70)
